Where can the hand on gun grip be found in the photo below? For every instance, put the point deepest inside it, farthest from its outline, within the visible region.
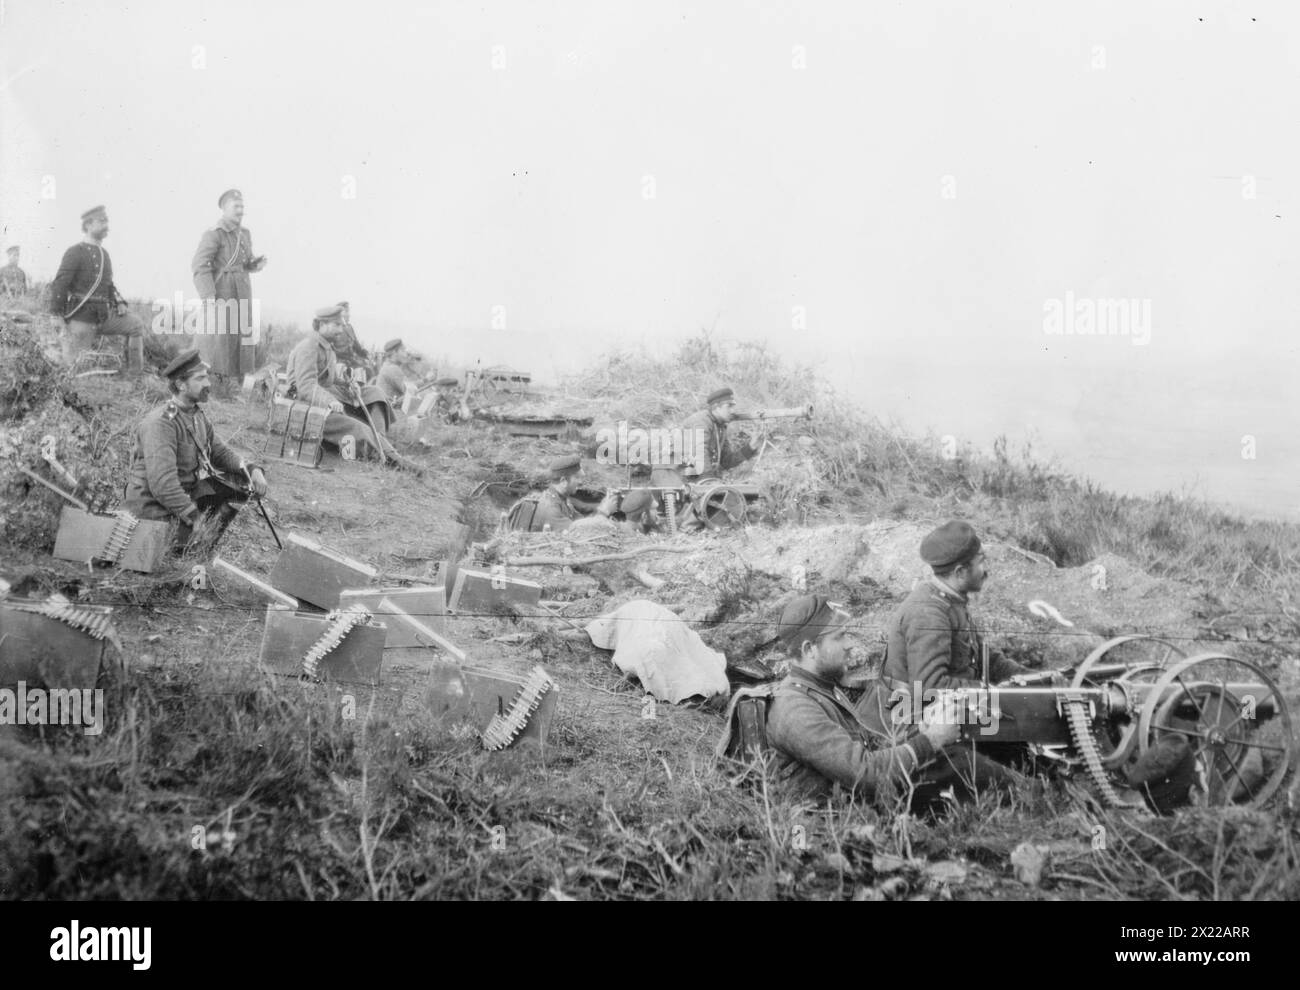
(941, 721)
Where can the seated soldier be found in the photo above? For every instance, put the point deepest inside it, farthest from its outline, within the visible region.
(934, 643)
(394, 375)
(718, 454)
(822, 743)
(349, 351)
(179, 467)
(313, 378)
(556, 509)
(446, 401)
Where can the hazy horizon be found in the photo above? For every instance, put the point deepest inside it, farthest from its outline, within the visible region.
(897, 195)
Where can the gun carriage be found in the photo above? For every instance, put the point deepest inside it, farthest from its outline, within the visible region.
(1234, 719)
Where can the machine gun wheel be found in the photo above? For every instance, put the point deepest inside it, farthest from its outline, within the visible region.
(721, 507)
(1123, 660)
(1235, 720)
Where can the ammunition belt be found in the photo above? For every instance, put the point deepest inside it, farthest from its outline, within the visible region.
(340, 623)
(504, 729)
(1076, 714)
(120, 538)
(92, 621)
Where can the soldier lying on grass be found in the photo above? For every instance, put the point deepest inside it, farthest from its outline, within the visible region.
(826, 743)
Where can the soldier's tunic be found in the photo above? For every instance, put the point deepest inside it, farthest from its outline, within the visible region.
(311, 373)
(933, 644)
(822, 744)
(934, 641)
(166, 464)
(13, 280)
(553, 510)
(221, 269)
(83, 294)
(392, 381)
(718, 455)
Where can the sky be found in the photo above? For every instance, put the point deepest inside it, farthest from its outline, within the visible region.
(896, 193)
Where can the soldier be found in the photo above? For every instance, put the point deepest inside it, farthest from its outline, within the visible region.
(933, 644)
(393, 380)
(349, 350)
(718, 455)
(933, 641)
(13, 280)
(179, 467)
(313, 378)
(821, 740)
(221, 268)
(84, 296)
(555, 508)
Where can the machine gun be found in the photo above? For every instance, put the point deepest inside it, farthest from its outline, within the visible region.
(1234, 720)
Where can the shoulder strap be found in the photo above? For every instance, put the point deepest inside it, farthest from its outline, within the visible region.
(227, 268)
(99, 277)
(205, 459)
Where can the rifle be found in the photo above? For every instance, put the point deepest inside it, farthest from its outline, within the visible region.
(379, 440)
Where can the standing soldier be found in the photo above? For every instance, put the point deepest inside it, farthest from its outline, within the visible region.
(84, 295)
(13, 280)
(179, 468)
(221, 268)
(313, 377)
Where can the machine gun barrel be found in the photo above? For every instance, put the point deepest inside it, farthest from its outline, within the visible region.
(793, 412)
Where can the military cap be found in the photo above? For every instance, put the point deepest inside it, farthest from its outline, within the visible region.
(566, 465)
(392, 345)
(328, 313)
(954, 542)
(221, 200)
(94, 211)
(720, 395)
(183, 364)
(807, 619)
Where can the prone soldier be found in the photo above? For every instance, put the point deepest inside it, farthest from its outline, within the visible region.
(822, 742)
(179, 466)
(823, 739)
(556, 509)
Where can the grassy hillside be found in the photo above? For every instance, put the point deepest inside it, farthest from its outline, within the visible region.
(213, 779)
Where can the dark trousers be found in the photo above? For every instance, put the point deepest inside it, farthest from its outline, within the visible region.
(967, 771)
(217, 509)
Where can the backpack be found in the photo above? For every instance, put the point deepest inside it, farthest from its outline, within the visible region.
(520, 516)
(744, 738)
